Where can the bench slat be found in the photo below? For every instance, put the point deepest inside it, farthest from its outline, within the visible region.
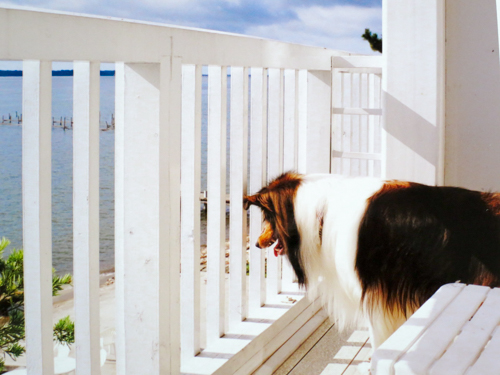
(474, 336)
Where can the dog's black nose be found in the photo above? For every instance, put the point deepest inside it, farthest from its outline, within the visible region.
(257, 244)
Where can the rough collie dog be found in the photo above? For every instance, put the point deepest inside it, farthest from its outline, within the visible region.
(374, 251)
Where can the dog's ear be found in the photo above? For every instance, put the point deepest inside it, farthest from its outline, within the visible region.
(249, 200)
(260, 200)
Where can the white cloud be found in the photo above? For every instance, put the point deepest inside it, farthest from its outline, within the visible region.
(336, 27)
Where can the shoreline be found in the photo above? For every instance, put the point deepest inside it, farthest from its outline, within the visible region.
(106, 277)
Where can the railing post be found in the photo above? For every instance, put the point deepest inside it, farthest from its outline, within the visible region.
(37, 215)
(413, 86)
(149, 205)
(86, 215)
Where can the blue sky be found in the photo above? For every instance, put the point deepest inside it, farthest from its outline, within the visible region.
(335, 24)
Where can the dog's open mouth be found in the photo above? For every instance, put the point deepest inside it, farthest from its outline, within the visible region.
(278, 249)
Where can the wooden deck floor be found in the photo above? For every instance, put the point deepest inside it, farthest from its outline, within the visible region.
(330, 352)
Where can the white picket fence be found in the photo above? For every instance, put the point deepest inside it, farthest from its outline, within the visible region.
(281, 113)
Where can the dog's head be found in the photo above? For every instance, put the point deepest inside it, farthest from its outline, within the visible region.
(277, 204)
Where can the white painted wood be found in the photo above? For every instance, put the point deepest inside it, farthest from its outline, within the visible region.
(356, 155)
(413, 86)
(290, 148)
(358, 70)
(395, 346)
(355, 116)
(379, 145)
(357, 111)
(271, 339)
(274, 165)
(463, 352)
(488, 363)
(238, 306)
(363, 83)
(434, 341)
(190, 214)
(258, 154)
(302, 121)
(339, 62)
(371, 122)
(336, 135)
(290, 129)
(119, 217)
(37, 215)
(151, 164)
(107, 39)
(346, 122)
(472, 95)
(86, 215)
(216, 210)
(355, 123)
(498, 19)
(319, 91)
(285, 351)
(455, 329)
(170, 215)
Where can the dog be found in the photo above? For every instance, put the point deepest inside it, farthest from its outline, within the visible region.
(374, 251)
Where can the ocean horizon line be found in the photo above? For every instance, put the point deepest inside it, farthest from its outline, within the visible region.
(55, 73)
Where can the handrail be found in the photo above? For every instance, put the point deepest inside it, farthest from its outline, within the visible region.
(108, 39)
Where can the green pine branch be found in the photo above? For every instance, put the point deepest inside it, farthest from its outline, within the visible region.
(373, 39)
(12, 305)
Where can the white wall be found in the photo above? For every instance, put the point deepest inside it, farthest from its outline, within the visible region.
(472, 95)
(413, 90)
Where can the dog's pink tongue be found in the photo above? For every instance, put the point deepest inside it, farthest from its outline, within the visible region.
(278, 251)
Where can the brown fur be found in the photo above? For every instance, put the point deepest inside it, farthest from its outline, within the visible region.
(276, 201)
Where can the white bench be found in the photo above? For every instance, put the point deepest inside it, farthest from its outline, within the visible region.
(455, 332)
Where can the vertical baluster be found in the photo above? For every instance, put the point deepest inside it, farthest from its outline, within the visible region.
(347, 123)
(119, 218)
(258, 136)
(290, 120)
(355, 136)
(190, 221)
(170, 214)
(86, 215)
(238, 307)
(371, 122)
(378, 123)
(302, 122)
(290, 134)
(342, 86)
(37, 213)
(275, 165)
(363, 125)
(216, 204)
(150, 200)
(336, 120)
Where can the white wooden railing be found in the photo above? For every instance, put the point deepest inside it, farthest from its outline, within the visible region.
(165, 323)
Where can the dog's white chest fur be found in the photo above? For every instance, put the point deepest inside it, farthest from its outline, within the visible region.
(328, 254)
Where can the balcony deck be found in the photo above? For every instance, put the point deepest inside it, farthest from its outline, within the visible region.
(330, 352)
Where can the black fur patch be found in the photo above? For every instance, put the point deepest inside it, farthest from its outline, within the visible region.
(414, 239)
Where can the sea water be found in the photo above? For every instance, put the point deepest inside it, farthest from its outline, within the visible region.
(62, 170)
